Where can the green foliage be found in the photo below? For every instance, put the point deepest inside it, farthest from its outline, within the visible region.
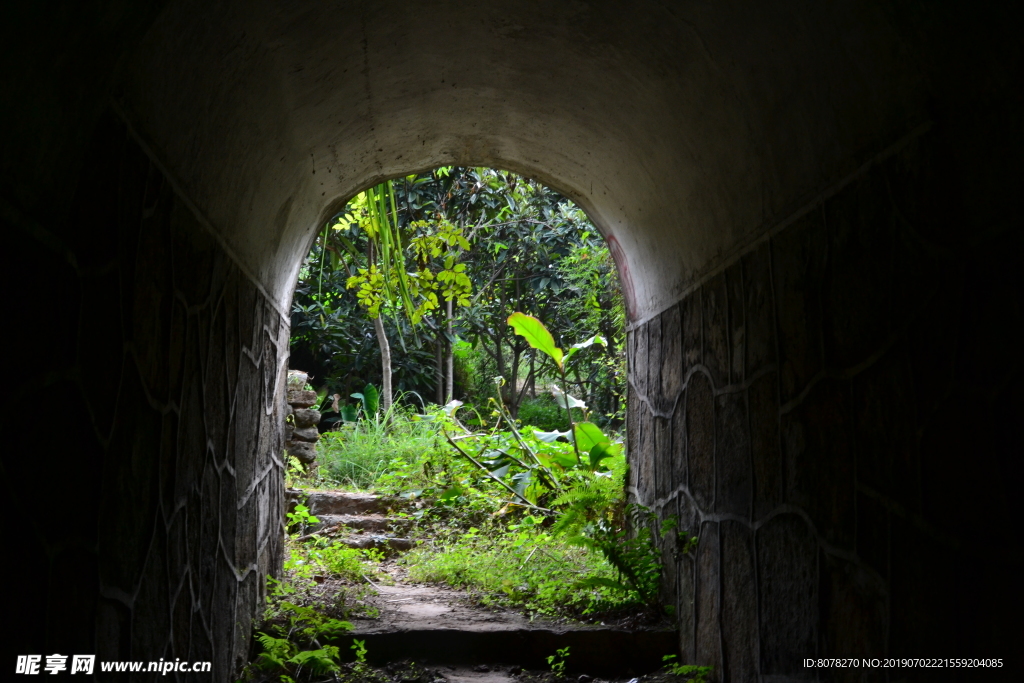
(359, 647)
(535, 467)
(696, 674)
(295, 644)
(370, 398)
(300, 518)
(635, 555)
(518, 565)
(557, 661)
(295, 472)
(544, 414)
(358, 454)
(536, 335)
(487, 240)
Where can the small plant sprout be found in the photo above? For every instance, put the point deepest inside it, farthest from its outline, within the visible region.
(557, 661)
(359, 646)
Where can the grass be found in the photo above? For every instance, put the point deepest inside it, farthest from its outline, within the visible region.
(521, 566)
(357, 454)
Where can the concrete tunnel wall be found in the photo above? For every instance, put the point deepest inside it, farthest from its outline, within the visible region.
(812, 211)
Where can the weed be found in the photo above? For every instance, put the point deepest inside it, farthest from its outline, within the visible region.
(519, 565)
(295, 642)
(301, 518)
(635, 556)
(696, 674)
(357, 454)
(360, 650)
(557, 661)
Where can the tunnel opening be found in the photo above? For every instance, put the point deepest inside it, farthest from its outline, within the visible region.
(524, 250)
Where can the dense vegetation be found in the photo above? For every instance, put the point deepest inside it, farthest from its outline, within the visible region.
(465, 248)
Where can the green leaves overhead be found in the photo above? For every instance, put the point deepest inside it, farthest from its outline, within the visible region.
(536, 335)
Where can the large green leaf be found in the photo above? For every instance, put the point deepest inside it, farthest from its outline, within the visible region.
(536, 335)
(589, 435)
(601, 451)
(371, 400)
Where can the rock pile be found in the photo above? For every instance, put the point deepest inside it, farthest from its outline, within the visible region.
(301, 433)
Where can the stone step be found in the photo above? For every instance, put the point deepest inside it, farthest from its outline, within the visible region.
(441, 626)
(362, 514)
(350, 503)
(373, 523)
(608, 652)
(378, 542)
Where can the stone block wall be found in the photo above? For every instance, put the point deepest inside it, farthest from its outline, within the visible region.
(300, 430)
(165, 495)
(837, 415)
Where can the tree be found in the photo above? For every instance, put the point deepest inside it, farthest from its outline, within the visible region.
(442, 257)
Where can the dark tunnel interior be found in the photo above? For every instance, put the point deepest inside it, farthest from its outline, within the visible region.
(814, 209)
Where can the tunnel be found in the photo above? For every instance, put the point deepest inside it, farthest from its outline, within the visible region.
(814, 210)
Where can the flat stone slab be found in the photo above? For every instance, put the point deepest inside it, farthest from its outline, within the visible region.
(373, 524)
(378, 542)
(350, 503)
(467, 675)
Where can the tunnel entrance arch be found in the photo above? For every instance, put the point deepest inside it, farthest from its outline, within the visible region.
(834, 183)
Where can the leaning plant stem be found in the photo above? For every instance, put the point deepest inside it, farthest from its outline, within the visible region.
(449, 370)
(526, 447)
(568, 413)
(511, 490)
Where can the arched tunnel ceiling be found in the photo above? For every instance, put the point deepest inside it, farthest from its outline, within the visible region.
(684, 129)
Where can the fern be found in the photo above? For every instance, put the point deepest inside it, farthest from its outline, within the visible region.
(592, 497)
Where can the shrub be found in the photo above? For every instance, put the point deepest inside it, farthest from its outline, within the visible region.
(544, 414)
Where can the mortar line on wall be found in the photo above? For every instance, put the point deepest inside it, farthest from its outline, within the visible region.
(766, 233)
(196, 213)
(252, 486)
(916, 520)
(728, 389)
(841, 373)
(782, 509)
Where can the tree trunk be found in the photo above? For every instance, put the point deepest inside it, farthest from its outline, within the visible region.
(385, 365)
(439, 370)
(449, 374)
(514, 395)
(533, 377)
